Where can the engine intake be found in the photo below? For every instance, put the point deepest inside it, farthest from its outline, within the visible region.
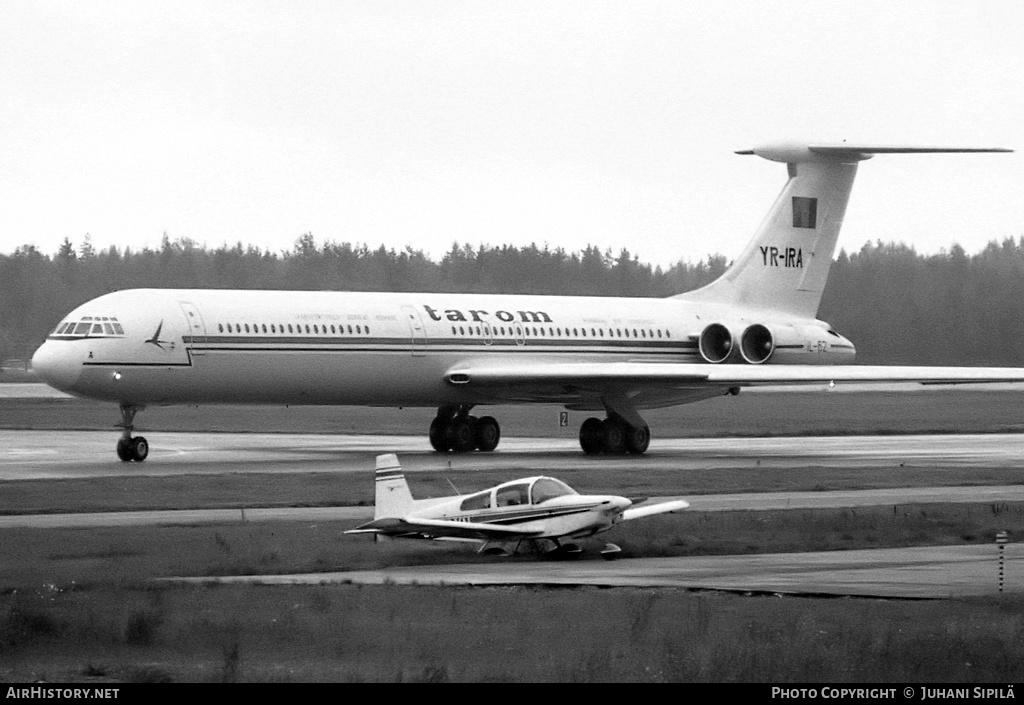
(715, 343)
(757, 344)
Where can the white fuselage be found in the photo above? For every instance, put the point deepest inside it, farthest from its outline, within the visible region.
(571, 516)
(164, 346)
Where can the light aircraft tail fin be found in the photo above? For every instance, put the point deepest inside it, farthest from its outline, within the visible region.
(392, 497)
(786, 264)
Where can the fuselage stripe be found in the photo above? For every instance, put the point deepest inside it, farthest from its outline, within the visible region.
(525, 514)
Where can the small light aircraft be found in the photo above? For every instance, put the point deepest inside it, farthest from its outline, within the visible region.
(531, 509)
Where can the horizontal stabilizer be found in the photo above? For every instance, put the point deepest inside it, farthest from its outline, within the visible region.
(796, 153)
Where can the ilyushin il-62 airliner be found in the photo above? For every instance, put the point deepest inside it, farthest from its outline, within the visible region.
(755, 325)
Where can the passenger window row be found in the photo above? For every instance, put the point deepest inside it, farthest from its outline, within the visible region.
(553, 332)
(274, 328)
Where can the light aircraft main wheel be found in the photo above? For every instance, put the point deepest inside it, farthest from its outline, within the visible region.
(439, 435)
(638, 438)
(614, 432)
(610, 552)
(139, 448)
(488, 433)
(124, 450)
(590, 436)
(462, 434)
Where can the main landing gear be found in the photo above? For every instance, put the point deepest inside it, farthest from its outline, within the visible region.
(131, 448)
(614, 436)
(455, 430)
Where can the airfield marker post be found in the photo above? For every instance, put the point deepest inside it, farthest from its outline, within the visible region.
(1001, 539)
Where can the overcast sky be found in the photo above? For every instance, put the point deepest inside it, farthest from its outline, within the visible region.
(561, 123)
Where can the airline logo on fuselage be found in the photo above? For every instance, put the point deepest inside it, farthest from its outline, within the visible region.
(481, 316)
(782, 256)
(155, 340)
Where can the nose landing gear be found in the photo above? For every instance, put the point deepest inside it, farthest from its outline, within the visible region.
(131, 448)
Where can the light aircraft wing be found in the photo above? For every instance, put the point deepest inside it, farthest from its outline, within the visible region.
(441, 528)
(660, 508)
(620, 376)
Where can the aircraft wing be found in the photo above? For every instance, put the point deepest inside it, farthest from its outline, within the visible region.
(624, 375)
(417, 527)
(660, 508)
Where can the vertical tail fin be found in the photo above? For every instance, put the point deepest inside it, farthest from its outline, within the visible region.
(391, 497)
(786, 264)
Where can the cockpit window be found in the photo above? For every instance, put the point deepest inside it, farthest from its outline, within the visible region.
(548, 488)
(88, 327)
(477, 501)
(513, 495)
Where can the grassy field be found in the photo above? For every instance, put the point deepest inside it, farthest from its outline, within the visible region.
(82, 605)
(356, 489)
(424, 634)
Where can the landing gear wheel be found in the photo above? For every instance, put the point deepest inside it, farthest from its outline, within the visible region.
(569, 550)
(453, 429)
(139, 448)
(129, 448)
(488, 433)
(590, 436)
(614, 432)
(638, 438)
(461, 434)
(124, 450)
(439, 435)
(610, 552)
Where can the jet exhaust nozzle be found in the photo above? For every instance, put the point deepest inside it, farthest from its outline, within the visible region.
(716, 343)
(757, 344)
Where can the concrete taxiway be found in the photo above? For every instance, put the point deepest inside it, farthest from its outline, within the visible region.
(28, 455)
(930, 572)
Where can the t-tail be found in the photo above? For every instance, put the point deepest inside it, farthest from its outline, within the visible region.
(392, 498)
(786, 264)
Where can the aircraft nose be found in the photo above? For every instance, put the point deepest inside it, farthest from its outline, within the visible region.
(56, 365)
(620, 504)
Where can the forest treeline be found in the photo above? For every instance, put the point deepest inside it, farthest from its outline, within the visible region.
(896, 305)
